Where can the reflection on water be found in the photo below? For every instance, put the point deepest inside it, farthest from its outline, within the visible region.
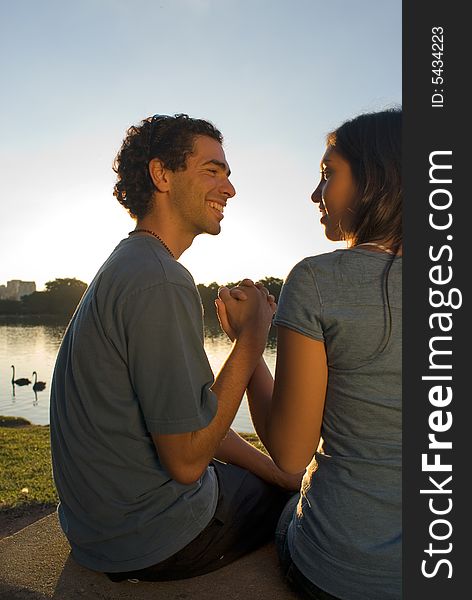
(32, 345)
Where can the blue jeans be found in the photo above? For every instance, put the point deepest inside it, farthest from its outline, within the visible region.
(297, 581)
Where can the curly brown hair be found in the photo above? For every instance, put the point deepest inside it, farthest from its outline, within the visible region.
(169, 138)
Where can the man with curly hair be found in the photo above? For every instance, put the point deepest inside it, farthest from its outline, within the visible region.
(139, 425)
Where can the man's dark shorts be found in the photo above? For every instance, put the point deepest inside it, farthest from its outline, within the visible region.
(245, 518)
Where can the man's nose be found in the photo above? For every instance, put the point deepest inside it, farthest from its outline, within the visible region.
(228, 189)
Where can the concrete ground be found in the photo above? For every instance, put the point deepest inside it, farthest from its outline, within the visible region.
(35, 565)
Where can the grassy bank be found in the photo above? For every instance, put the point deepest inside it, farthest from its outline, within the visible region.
(25, 465)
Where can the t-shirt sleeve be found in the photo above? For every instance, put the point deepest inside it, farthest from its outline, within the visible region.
(300, 307)
(168, 366)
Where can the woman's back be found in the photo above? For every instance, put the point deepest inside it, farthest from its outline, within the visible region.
(346, 535)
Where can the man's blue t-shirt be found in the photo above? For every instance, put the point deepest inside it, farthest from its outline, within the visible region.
(131, 363)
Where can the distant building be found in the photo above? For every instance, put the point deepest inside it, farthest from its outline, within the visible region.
(16, 288)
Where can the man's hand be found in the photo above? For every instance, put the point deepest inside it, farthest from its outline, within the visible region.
(238, 293)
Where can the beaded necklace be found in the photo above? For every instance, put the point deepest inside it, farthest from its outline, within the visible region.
(156, 236)
(378, 246)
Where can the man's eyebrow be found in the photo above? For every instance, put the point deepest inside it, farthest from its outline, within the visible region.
(220, 164)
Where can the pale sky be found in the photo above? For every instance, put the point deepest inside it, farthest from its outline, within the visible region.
(273, 75)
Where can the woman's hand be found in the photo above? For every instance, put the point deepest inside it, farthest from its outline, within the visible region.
(238, 293)
(223, 319)
(287, 481)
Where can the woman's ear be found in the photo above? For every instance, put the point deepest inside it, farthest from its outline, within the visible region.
(159, 175)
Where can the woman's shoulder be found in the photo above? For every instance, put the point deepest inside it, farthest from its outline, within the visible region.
(327, 258)
(312, 272)
(320, 263)
(343, 271)
(348, 260)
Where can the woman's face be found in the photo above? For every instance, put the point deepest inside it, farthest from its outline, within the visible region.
(335, 195)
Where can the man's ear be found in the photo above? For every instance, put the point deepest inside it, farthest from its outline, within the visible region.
(159, 175)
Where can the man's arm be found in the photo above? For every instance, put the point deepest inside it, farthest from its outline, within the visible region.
(261, 385)
(235, 450)
(186, 455)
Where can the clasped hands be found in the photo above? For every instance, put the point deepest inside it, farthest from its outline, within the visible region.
(247, 308)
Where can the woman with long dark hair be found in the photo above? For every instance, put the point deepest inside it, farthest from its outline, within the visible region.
(335, 406)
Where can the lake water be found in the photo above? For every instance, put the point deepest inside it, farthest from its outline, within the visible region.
(33, 346)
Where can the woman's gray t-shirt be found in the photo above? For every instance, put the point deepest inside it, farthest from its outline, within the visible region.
(346, 533)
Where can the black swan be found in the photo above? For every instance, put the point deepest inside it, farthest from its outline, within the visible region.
(21, 380)
(38, 386)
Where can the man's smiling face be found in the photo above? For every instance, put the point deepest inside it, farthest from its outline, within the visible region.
(200, 192)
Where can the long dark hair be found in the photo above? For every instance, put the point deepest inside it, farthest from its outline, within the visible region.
(371, 143)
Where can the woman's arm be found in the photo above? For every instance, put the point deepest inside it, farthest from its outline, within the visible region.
(293, 423)
(259, 394)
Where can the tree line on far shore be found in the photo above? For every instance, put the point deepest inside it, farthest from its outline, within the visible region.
(62, 296)
(209, 293)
